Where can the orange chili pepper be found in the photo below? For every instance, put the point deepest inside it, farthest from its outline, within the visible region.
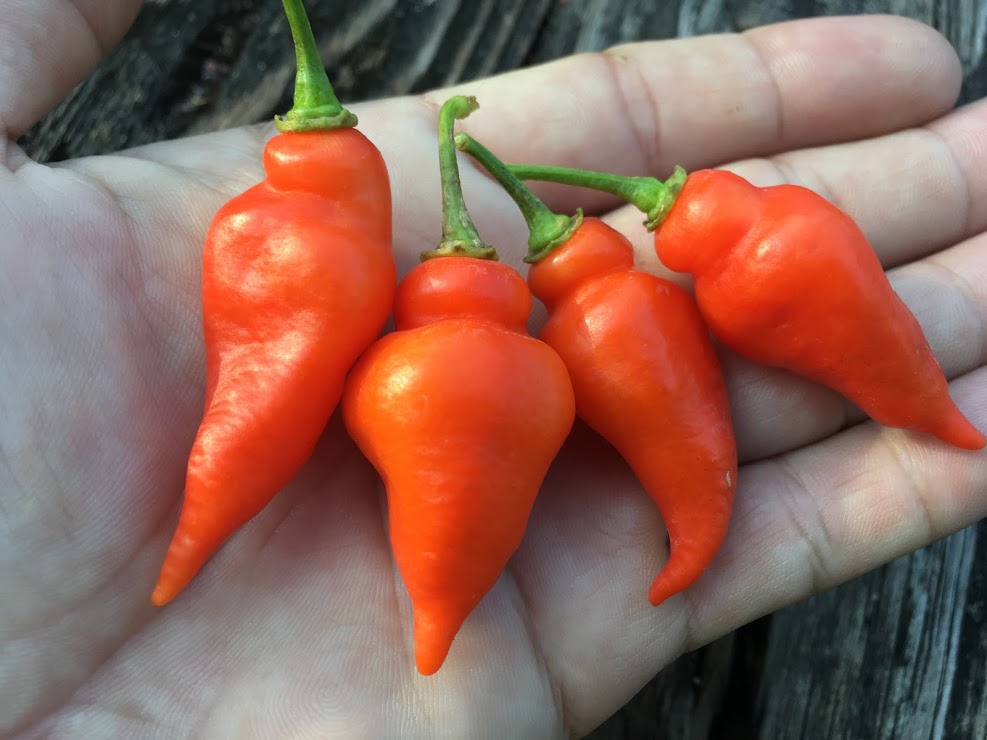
(461, 413)
(297, 280)
(786, 279)
(644, 370)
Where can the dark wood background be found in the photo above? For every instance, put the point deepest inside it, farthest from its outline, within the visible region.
(898, 653)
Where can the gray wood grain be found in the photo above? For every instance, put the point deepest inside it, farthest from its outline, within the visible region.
(898, 653)
(190, 66)
(889, 655)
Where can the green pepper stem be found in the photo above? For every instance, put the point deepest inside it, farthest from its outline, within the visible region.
(459, 234)
(547, 230)
(315, 106)
(653, 197)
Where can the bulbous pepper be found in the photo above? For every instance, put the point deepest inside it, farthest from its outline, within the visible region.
(461, 412)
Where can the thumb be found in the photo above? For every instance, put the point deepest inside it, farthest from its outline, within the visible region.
(49, 46)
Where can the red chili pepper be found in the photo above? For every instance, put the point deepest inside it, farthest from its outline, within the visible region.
(297, 280)
(644, 370)
(462, 413)
(786, 279)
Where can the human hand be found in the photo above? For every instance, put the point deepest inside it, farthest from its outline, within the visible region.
(299, 625)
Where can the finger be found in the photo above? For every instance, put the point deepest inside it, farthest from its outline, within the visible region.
(801, 523)
(912, 192)
(47, 47)
(642, 108)
(815, 518)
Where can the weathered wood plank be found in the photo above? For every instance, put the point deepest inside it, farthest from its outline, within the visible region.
(903, 644)
(222, 63)
(901, 652)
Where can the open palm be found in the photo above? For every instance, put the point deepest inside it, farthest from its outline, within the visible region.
(300, 625)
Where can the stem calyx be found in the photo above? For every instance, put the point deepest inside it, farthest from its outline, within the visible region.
(315, 107)
(459, 234)
(547, 230)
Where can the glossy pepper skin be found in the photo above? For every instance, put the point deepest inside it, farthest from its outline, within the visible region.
(461, 413)
(786, 279)
(648, 380)
(644, 370)
(297, 280)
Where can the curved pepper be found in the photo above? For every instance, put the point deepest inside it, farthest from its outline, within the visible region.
(644, 370)
(297, 280)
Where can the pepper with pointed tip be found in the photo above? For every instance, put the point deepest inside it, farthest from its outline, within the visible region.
(461, 412)
(644, 370)
(297, 280)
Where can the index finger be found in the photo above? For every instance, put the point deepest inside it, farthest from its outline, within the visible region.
(642, 108)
